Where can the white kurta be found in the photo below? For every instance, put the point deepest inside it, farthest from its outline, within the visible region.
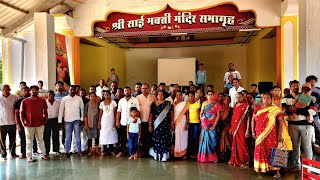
(108, 134)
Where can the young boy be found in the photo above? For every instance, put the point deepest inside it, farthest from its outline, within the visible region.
(113, 77)
(303, 102)
(201, 77)
(133, 132)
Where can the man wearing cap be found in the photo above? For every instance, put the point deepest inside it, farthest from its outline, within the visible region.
(300, 130)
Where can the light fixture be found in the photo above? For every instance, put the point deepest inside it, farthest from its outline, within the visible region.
(248, 30)
(178, 34)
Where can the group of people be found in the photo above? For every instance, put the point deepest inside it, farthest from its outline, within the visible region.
(233, 126)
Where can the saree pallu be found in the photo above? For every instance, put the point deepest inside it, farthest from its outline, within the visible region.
(240, 151)
(161, 135)
(208, 138)
(267, 137)
(181, 135)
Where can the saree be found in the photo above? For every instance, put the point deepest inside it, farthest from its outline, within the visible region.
(240, 151)
(225, 144)
(161, 135)
(181, 135)
(267, 137)
(208, 138)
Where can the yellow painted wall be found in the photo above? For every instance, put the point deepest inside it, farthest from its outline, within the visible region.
(142, 63)
(96, 62)
(261, 61)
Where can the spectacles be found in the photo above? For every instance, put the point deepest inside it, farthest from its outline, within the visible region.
(210, 94)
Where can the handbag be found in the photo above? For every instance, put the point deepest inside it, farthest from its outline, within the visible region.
(279, 157)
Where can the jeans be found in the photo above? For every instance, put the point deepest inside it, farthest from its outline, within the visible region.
(301, 134)
(122, 135)
(133, 143)
(316, 121)
(11, 131)
(145, 137)
(53, 127)
(69, 128)
(23, 143)
(30, 133)
(84, 140)
(193, 139)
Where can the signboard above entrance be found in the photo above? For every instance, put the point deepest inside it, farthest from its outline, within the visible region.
(216, 19)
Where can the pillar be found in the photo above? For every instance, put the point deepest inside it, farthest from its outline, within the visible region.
(45, 49)
(309, 38)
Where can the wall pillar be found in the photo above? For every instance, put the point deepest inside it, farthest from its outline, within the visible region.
(289, 50)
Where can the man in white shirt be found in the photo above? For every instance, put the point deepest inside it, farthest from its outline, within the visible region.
(102, 86)
(145, 100)
(124, 106)
(52, 126)
(71, 109)
(7, 122)
(232, 71)
(233, 91)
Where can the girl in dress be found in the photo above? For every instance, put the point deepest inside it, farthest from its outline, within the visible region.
(107, 116)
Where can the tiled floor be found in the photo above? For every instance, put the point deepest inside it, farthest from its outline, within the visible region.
(98, 167)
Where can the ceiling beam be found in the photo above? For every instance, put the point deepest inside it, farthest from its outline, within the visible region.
(44, 7)
(13, 7)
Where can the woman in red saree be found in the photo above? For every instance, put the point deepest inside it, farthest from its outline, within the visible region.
(240, 132)
(267, 129)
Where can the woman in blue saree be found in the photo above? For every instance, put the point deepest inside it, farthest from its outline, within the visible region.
(210, 116)
(160, 124)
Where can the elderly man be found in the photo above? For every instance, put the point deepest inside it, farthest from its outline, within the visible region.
(7, 122)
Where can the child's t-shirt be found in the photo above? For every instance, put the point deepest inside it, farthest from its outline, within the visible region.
(114, 77)
(133, 127)
(305, 99)
(201, 77)
(193, 112)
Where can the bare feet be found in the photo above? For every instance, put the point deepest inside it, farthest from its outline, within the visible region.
(131, 157)
(119, 155)
(277, 174)
(184, 157)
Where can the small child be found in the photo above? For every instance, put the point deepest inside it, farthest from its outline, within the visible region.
(302, 103)
(133, 132)
(113, 77)
(201, 77)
